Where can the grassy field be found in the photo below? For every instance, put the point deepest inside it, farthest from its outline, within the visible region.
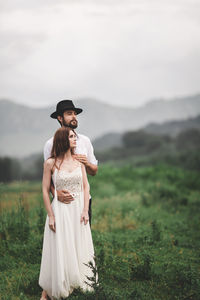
(145, 227)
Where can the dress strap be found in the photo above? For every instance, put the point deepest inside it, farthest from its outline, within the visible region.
(80, 164)
(55, 175)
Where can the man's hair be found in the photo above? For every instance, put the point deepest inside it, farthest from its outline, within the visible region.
(61, 115)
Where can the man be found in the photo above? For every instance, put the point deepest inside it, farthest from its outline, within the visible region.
(66, 114)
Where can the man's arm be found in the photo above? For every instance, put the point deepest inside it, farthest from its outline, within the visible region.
(90, 168)
(92, 164)
(90, 161)
(63, 195)
(47, 149)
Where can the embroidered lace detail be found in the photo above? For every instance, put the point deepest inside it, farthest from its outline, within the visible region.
(70, 181)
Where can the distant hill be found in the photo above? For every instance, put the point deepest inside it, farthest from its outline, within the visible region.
(24, 129)
(108, 141)
(171, 128)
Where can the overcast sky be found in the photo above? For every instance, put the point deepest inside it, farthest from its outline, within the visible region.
(120, 52)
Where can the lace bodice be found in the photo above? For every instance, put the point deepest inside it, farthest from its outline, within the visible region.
(71, 181)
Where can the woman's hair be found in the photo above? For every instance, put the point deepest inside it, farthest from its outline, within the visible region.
(61, 144)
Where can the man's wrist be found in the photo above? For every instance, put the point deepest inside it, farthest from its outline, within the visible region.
(60, 199)
(87, 164)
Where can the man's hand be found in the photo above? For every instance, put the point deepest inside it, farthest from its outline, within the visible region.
(90, 168)
(82, 158)
(64, 196)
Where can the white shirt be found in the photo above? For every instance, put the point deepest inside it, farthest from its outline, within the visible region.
(83, 146)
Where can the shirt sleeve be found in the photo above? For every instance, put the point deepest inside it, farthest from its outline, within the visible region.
(90, 153)
(47, 150)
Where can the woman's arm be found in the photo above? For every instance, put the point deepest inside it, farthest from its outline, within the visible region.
(46, 185)
(52, 189)
(84, 215)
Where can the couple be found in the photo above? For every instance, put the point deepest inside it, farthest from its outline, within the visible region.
(67, 243)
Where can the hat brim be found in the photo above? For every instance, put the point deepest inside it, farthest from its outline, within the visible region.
(56, 113)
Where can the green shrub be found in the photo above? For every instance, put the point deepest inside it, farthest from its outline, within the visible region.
(14, 225)
(141, 270)
(156, 232)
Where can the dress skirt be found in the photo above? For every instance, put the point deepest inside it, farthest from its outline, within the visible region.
(66, 252)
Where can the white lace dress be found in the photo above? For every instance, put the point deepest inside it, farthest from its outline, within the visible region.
(66, 251)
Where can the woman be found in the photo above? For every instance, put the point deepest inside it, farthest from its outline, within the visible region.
(67, 244)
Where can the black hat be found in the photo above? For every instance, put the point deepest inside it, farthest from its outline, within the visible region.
(65, 105)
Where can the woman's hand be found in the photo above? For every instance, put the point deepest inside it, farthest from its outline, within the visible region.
(84, 217)
(52, 223)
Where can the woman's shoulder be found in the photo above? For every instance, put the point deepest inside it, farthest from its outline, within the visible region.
(77, 163)
(49, 162)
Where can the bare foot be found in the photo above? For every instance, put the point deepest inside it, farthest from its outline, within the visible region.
(44, 295)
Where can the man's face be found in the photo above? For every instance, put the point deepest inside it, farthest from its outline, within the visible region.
(69, 119)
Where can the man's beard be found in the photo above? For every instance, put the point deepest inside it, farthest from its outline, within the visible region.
(73, 126)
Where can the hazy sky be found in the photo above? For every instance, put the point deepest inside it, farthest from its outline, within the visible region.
(121, 52)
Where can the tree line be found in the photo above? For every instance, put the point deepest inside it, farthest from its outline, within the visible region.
(12, 169)
(145, 148)
(182, 150)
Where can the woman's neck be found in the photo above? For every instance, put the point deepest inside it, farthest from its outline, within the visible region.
(68, 155)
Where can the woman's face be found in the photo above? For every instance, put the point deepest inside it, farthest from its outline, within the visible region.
(72, 139)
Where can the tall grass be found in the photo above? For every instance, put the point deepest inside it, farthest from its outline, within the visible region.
(145, 228)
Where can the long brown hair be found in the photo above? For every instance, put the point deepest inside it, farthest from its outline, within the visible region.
(61, 144)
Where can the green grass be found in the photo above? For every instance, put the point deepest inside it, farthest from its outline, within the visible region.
(145, 228)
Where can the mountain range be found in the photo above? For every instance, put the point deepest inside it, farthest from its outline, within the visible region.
(25, 129)
(170, 128)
